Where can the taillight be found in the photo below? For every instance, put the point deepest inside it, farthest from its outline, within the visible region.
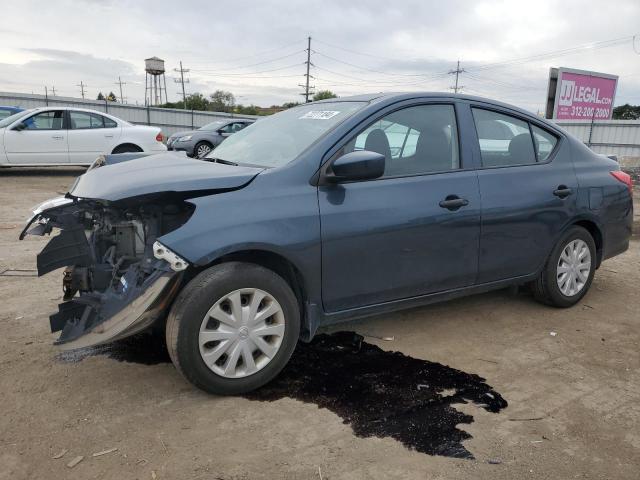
(624, 178)
(159, 137)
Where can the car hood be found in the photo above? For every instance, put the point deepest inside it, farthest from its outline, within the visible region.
(162, 173)
(181, 134)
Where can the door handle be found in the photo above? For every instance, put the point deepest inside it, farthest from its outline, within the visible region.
(57, 137)
(453, 202)
(108, 136)
(562, 191)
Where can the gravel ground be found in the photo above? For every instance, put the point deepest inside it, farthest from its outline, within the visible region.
(574, 397)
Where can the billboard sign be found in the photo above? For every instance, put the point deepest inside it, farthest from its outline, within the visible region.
(580, 95)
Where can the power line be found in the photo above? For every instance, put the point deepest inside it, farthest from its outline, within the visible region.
(82, 87)
(214, 74)
(120, 83)
(307, 75)
(182, 71)
(260, 54)
(360, 67)
(250, 65)
(457, 73)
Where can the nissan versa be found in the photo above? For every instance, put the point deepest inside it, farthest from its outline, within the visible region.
(325, 212)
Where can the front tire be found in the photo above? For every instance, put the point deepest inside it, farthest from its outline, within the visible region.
(569, 271)
(202, 149)
(233, 328)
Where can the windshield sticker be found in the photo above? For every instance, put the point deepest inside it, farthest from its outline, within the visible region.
(319, 115)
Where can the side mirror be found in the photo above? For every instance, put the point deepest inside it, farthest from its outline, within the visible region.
(20, 126)
(359, 165)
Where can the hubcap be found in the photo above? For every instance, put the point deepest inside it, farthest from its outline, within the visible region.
(203, 150)
(574, 267)
(241, 333)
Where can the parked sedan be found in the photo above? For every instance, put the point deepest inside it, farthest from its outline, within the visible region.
(198, 143)
(327, 212)
(70, 136)
(8, 111)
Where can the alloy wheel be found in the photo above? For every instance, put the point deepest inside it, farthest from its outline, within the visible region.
(203, 150)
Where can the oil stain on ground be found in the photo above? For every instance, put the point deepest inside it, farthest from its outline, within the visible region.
(378, 393)
(384, 394)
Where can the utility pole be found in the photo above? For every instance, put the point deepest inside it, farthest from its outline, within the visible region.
(307, 75)
(182, 71)
(120, 83)
(53, 90)
(46, 96)
(82, 86)
(457, 72)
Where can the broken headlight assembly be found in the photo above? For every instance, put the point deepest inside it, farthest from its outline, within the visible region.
(119, 278)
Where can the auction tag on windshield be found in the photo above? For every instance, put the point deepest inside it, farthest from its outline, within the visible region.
(319, 115)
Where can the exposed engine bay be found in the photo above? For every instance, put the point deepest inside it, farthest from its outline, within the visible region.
(118, 278)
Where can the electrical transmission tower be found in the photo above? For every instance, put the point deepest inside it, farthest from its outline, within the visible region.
(120, 83)
(457, 73)
(306, 85)
(82, 87)
(181, 80)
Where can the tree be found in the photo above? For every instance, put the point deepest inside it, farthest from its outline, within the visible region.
(222, 101)
(324, 95)
(100, 96)
(112, 97)
(626, 112)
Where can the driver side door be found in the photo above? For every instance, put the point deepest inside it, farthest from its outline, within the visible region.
(43, 141)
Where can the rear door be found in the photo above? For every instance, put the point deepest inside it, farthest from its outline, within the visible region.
(528, 188)
(401, 235)
(90, 135)
(43, 141)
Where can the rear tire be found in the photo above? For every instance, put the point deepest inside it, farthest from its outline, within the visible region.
(569, 270)
(217, 352)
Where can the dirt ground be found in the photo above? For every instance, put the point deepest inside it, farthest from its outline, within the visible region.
(574, 397)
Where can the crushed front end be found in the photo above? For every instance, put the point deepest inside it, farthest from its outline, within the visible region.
(118, 278)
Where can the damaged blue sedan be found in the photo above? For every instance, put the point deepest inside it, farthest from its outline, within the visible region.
(322, 213)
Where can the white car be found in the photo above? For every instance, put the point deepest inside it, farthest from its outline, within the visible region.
(70, 136)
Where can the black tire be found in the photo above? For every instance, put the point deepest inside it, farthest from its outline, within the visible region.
(197, 147)
(545, 287)
(127, 148)
(193, 303)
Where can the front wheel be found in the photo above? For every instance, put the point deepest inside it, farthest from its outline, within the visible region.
(233, 328)
(569, 271)
(202, 149)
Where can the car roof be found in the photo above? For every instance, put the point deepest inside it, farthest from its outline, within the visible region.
(393, 97)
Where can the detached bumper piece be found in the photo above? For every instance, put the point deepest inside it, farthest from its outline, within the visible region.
(95, 318)
(118, 278)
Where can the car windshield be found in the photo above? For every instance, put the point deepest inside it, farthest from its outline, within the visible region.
(213, 125)
(9, 120)
(280, 138)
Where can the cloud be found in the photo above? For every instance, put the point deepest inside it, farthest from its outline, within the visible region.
(256, 49)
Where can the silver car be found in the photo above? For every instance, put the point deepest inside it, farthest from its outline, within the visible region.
(198, 143)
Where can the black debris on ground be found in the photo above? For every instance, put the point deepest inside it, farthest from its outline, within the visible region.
(384, 394)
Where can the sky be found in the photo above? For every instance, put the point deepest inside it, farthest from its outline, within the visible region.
(256, 49)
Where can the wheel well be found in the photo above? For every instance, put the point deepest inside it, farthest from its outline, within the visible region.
(596, 234)
(127, 145)
(278, 264)
(204, 141)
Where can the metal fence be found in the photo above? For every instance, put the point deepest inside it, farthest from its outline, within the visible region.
(610, 137)
(168, 119)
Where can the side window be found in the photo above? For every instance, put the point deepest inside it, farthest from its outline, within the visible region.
(238, 126)
(414, 140)
(85, 120)
(545, 142)
(226, 128)
(108, 123)
(504, 140)
(51, 120)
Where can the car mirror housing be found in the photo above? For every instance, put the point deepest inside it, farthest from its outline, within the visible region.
(20, 126)
(353, 166)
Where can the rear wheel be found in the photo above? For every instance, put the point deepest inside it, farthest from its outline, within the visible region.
(233, 328)
(127, 148)
(569, 271)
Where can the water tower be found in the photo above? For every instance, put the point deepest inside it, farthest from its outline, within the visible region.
(155, 81)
